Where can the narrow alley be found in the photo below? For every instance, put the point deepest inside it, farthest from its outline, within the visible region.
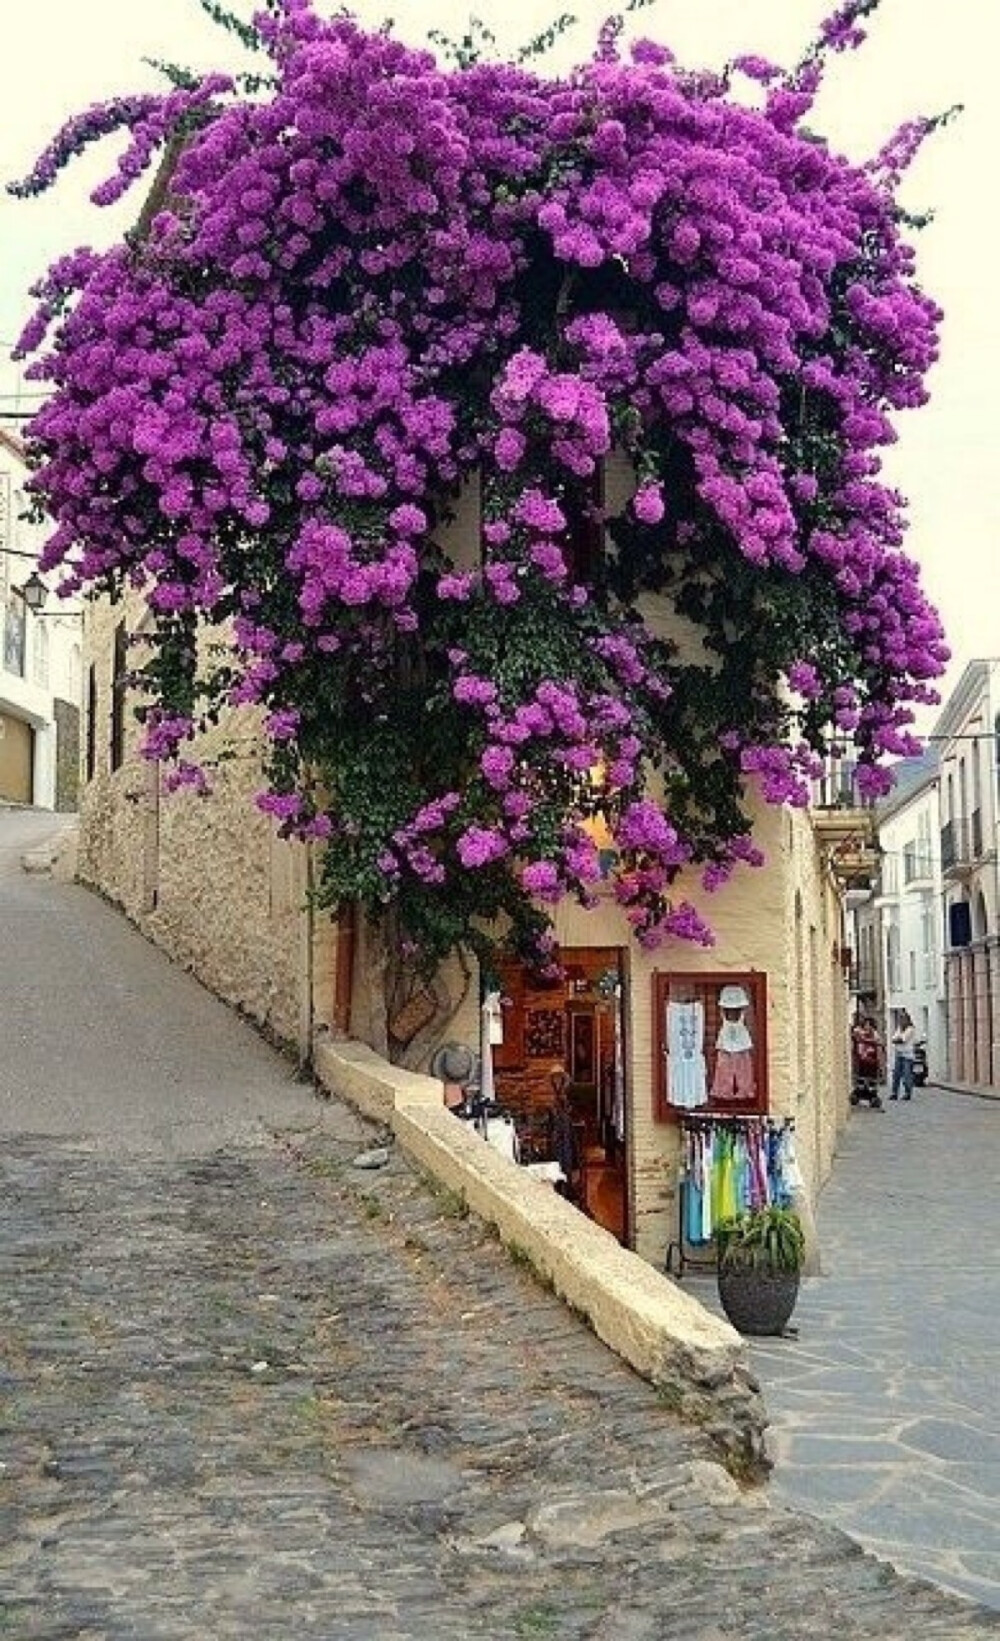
(250, 1389)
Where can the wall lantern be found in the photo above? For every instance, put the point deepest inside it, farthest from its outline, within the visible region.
(34, 592)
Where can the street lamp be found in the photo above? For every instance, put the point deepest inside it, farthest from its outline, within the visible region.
(34, 592)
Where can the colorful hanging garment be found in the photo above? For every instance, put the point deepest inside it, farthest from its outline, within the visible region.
(730, 1165)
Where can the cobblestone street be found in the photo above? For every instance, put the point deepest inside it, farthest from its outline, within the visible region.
(261, 1393)
(250, 1390)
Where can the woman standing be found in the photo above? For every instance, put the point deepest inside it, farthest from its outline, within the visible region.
(904, 1040)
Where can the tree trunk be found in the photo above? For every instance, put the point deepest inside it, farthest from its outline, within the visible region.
(415, 1054)
(387, 989)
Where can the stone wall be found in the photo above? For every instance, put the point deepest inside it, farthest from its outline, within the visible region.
(206, 877)
(67, 721)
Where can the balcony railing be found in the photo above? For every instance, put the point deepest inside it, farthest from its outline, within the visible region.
(918, 868)
(837, 788)
(864, 980)
(962, 843)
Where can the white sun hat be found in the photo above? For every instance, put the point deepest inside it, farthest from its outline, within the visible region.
(733, 997)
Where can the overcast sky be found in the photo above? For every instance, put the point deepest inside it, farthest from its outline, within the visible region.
(921, 57)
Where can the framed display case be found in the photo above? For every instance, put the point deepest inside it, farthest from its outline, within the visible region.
(710, 1044)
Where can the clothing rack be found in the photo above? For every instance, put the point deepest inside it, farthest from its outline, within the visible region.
(679, 1257)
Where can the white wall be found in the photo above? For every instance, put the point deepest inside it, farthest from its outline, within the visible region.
(912, 914)
(52, 640)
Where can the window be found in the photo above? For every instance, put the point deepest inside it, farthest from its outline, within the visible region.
(927, 941)
(583, 547)
(892, 966)
(118, 691)
(913, 969)
(925, 848)
(40, 655)
(74, 673)
(963, 795)
(13, 635)
(911, 867)
(6, 516)
(711, 1039)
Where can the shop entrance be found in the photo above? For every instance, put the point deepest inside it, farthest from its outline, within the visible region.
(560, 1071)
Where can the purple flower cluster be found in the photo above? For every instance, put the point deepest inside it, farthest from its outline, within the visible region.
(377, 281)
(785, 773)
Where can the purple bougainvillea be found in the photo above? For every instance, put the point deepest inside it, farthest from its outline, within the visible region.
(372, 280)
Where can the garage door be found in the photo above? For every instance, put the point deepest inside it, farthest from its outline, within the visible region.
(17, 757)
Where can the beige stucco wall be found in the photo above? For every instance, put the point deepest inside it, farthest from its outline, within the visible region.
(760, 919)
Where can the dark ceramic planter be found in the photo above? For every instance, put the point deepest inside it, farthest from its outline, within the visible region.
(758, 1303)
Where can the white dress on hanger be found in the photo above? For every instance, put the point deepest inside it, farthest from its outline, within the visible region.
(687, 1079)
(734, 1038)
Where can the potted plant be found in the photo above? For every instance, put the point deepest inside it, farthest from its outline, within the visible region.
(760, 1258)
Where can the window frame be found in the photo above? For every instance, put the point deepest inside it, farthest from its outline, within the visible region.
(677, 985)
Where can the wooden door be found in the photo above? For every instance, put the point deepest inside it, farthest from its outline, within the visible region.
(17, 758)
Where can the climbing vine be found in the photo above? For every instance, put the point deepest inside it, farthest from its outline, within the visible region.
(366, 281)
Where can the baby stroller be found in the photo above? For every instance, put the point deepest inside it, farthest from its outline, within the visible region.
(866, 1069)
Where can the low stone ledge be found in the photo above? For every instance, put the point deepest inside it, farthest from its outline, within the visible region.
(697, 1361)
(376, 1088)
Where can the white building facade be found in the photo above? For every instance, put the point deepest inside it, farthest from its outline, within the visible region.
(967, 734)
(908, 903)
(40, 661)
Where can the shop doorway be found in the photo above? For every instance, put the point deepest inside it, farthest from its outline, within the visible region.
(561, 1072)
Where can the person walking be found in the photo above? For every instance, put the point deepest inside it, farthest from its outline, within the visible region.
(904, 1042)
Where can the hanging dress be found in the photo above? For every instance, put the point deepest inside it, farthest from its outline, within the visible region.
(733, 1078)
(694, 1190)
(687, 1080)
(725, 1197)
(618, 1098)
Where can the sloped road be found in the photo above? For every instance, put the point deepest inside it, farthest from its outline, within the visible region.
(249, 1390)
